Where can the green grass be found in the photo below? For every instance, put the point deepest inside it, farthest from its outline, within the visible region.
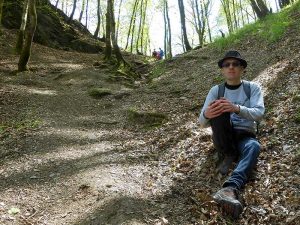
(99, 92)
(158, 70)
(146, 119)
(297, 116)
(269, 29)
(18, 126)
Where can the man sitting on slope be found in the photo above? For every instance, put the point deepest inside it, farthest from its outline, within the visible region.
(232, 110)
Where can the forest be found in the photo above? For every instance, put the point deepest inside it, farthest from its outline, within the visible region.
(100, 111)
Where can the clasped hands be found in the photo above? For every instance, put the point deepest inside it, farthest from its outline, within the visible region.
(219, 106)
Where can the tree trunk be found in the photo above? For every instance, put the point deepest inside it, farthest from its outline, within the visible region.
(260, 8)
(131, 21)
(200, 25)
(120, 59)
(206, 10)
(103, 21)
(165, 27)
(82, 10)
(143, 26)
(118, 21)
(277, 5)
(73, 10)
(183, 27)
(1, 9)
(67, 8)
(263, 7)
(226, 9)
(133, 30)
(99, 20)
(108, 47)
(169, 31)
(140, 26)
(86, 13)
(203, 7)
(30, 29)
(241, 12)
(234, 14)
(56, 4)
(63, 5)
(21, 33)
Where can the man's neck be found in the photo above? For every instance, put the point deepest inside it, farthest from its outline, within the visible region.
(234, 82)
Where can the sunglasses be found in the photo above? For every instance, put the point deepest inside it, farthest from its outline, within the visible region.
(234, 64)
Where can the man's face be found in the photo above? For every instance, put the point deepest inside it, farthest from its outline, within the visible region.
(232, 69)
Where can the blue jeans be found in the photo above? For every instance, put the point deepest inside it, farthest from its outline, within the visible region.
(248, 149)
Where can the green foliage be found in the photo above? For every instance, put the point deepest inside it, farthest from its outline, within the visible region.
(271, 29)
(218, 79)
(99, 92)
(297, 116)
(18, 126)
(146, 119)
(158, 70)
(296, 98)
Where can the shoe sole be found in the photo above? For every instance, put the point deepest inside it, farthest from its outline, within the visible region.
(232, 207)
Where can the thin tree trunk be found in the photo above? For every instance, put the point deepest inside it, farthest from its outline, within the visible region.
(247, 16)
(73, 10)
(99, 20)
(86, 13)
(182, 42)
(82, 10)
(143, 25)
(166, 31)
(183, 27)
(21, 33)
(67, 9)
(108, 47)
(56, 4)
(169, 31)
(226, 8)
(277, 5)
(203, 16)
(140, 26)
(1, 10)
(133, 30)
(234, 14)
(30, 29)
(206, 10)
(103, 21)
(131, 21)
(118, 21)
(230, 17)
(200, 25)
(241, 12)
(63, 5)
(208, 29)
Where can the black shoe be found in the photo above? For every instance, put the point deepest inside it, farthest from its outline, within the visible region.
(228, 199)
(225, 165)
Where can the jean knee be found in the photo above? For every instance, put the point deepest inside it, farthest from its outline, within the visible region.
(255, 147)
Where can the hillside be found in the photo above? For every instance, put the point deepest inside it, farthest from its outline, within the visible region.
(54, 28)
(80, 145)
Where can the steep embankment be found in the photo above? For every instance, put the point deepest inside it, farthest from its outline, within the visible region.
(68, 158)
(54, 29)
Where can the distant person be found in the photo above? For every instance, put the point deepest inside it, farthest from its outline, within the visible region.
(232, 109)
(154, 54)
(161, 53)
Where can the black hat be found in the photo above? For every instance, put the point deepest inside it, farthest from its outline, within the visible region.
(233, 54)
